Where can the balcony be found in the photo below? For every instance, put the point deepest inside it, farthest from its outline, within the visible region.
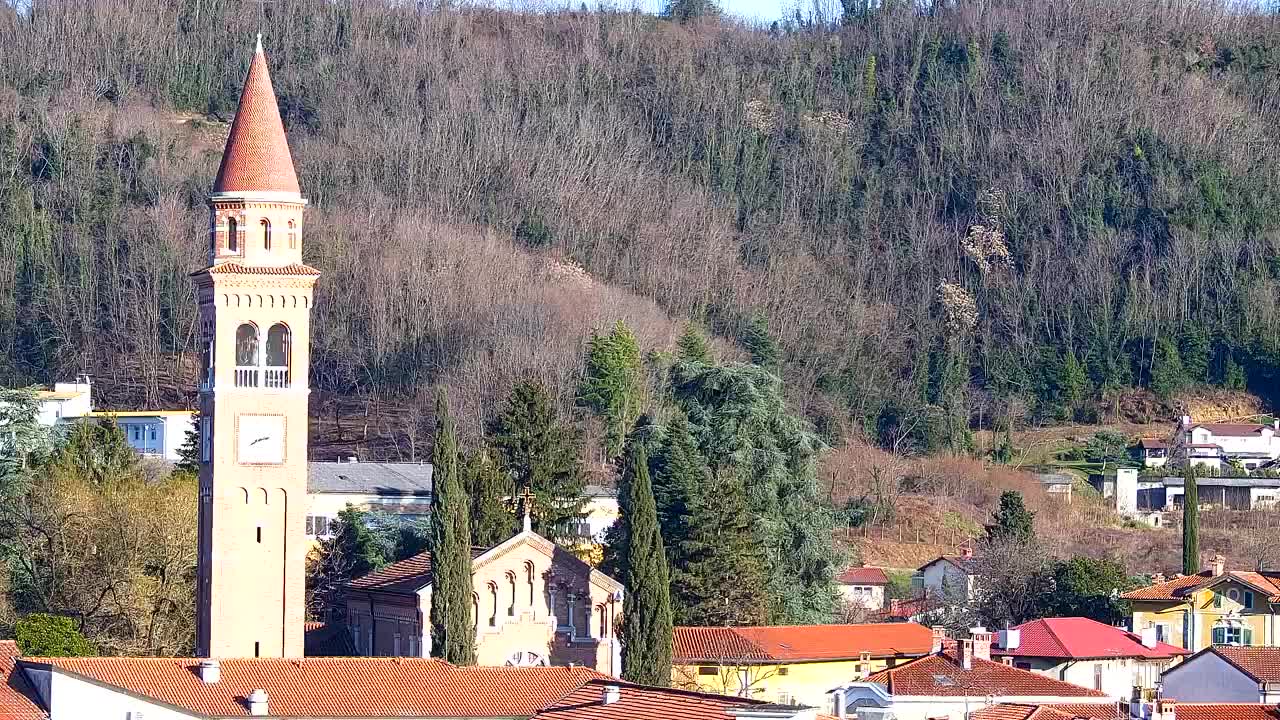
(267, 376)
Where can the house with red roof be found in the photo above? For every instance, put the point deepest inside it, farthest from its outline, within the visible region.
(350, 688)
(1088, 653)
(790, 663)
(949, 579)
(863, 587)
(956, 682)
(1217, 445)
(1226, 674)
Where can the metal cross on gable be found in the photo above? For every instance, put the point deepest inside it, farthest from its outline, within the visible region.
(526, 498)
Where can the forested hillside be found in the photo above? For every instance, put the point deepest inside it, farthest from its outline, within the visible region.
(983, 212)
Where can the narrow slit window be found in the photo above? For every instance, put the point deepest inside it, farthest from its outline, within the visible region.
(233, 236)
(266, 234)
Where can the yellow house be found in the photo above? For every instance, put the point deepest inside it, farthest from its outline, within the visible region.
(790, 664)
(1212, 607)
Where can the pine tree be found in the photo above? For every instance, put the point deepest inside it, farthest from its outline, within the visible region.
(1233, 377)
(452, 634)
(693, 346)
(539, 452)
(1073, 385)
(1012, 520)
(189, 452)
(758, 341)
(646, 616)
(722, 581)
(613, 384)
(488, 487)
(1167, 375)
(1190, 523)
(679, 475)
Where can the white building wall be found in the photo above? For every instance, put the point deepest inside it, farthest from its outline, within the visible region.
(944, 580)
(870, 597)
(70, 698)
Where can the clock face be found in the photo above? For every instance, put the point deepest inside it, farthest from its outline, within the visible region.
(261, 439)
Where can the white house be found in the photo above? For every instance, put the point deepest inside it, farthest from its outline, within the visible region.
(949, 579)
(153, 433)
(863, 587)
(955, 684)
(1088, 653)
(1218, 445)
(1226, 674)
(65, 400)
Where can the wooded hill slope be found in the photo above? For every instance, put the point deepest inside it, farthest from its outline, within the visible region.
(990, 210)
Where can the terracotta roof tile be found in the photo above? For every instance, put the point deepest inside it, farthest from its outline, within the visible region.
(336, 687)
(1174, 589)
(235, 268)
(256, 158)
(1263, 663)
(406, 576)
(1226, 711)
(1079, 638)
(800, 643)
(942, 674)
(18, 700)
(863, 576)
(1231, 429)
(637, 702)
(1064, 711)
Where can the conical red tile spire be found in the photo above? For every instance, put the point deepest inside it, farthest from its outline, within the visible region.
(257, 157)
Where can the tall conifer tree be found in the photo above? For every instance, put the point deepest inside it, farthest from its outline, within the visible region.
(646, 614)
(1190, 522)
(613, 384)
(722, 580)
(488, 488)
(541, 453)
(452, 634)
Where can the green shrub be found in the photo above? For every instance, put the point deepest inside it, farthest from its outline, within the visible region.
(43, 635)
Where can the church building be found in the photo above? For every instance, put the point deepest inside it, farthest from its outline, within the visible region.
(533, 603)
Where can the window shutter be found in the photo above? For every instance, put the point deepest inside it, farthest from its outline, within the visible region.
(1246, 636)
(1219, 636)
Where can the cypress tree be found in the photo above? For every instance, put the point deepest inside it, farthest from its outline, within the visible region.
(1190, 523)
(452, 635)
(646, 615)
(541, 453)
(488, 488)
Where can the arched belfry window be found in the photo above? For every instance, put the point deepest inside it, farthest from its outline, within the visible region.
(266, 234)
(293, 235)
(277, 357)
(247, 355)
(233, 236)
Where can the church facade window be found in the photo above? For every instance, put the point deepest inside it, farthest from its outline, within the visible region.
(528, 574)
(266, 234)
(511, 582)
(493, 597)
(293, 235)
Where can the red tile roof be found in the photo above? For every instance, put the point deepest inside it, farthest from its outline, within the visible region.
(799, 643)
(863, 576)
(637, 702)
(1260, 663)
(1079, 638)
(1180, 587)
(18, 700)
(966, 564)
(235, 268)
(406, 576)
(336, 687)
(942, 674)
(256, 158)
(1064, 711)
(1231, 429)
(1226, 711)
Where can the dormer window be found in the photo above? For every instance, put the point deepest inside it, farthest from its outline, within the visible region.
(266, 234)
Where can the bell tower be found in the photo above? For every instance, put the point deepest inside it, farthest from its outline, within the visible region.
(255, 312)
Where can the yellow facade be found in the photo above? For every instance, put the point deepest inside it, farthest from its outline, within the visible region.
(1191, 622)
(805, 683)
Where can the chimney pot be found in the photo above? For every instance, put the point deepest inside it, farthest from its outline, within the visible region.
(210, 671)
(966, 654)
(610, 695)
(1157, 578)
(1219, 564)
(258, 702)
(1149, 637)
(939, 635)
(981, 643)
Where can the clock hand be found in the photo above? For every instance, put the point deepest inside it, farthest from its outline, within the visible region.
(264, 437)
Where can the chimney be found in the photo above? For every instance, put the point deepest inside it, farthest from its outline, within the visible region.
(1010, 639)
(1148, 637)
(258, 702)
(840, 704)
(981, 643)
(864, 665)
(352, 459)
(939, 635)
(610, 695)
(210, 671)
(1219, 564)
(966, 654)
(1007, 660)
(1186, 421)
(1157, 578)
